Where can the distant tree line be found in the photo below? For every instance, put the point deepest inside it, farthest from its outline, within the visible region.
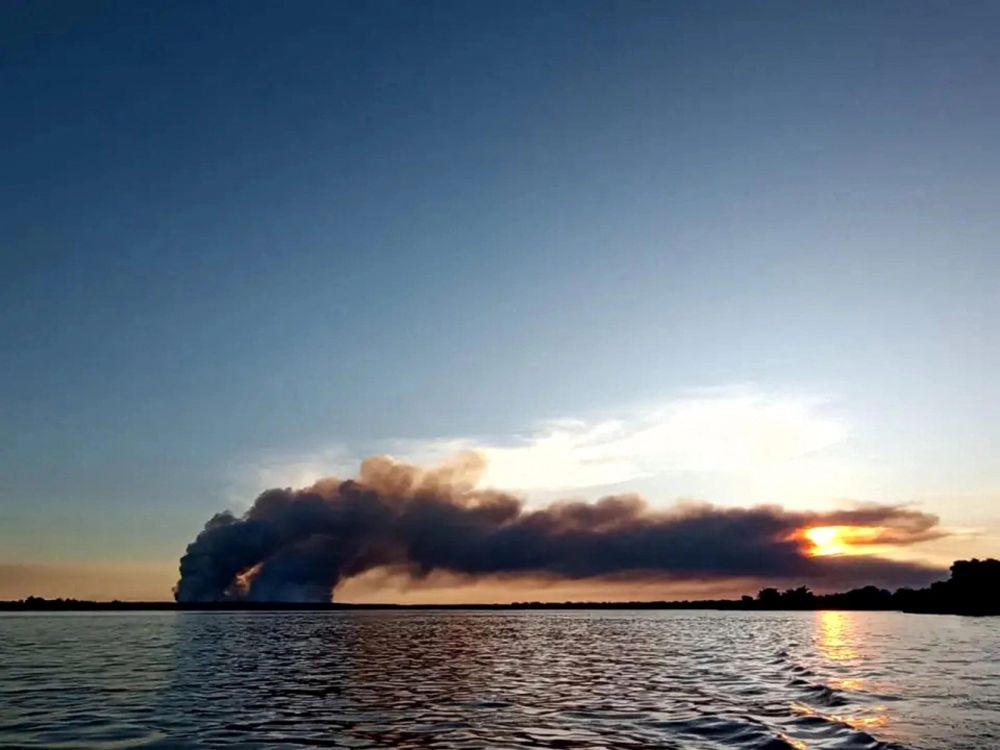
(972, 589)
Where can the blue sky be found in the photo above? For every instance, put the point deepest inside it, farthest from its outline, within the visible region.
(242, 238)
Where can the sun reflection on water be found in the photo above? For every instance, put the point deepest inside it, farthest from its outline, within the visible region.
(878, 716)
(848, 683)
(836, 640)
(834, 636)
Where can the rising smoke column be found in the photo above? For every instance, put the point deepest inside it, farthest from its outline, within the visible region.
(296, 545)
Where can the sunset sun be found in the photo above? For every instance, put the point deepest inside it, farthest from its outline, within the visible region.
(839, 540)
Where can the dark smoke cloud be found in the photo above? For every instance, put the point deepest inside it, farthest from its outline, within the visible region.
(296, 545)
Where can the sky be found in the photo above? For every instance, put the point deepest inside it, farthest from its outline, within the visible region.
(738, 253)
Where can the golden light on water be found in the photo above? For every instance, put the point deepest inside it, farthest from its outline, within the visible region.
(848, 683)
(873, 717)
(836, 639)
(834, 636)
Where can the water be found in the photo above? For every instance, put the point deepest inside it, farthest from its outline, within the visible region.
(571, 679)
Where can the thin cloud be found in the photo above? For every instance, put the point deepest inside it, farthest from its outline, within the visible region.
(715, 432)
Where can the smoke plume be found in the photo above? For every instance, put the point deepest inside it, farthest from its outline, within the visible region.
(296, 545)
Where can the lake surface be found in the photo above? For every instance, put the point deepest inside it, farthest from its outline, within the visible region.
(453, 679)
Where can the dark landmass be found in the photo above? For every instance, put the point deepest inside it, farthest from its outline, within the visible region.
(972, 589)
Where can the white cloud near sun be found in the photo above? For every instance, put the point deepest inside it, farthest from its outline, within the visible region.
(723, 432)
(741, 433)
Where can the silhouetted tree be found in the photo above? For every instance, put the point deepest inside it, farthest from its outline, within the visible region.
(973, 589)
(769, 598)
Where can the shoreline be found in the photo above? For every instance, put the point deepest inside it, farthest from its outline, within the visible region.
(263, 607)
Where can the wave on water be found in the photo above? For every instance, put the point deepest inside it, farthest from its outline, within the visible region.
(572, 679)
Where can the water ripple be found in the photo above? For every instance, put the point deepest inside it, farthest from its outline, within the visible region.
(543, 679)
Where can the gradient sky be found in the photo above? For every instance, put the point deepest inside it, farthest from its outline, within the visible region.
(743, 252)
